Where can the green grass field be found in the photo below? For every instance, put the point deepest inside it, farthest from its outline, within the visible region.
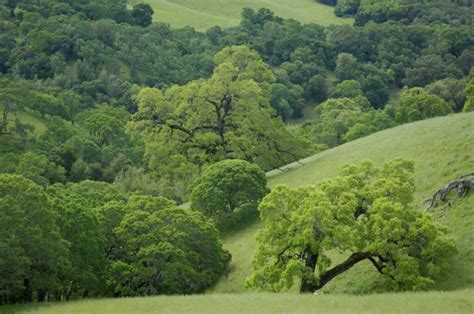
(431, 302)
(33, 119)
(203, 14)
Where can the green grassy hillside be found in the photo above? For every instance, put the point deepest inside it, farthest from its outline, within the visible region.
(442, 148)
(203, 14)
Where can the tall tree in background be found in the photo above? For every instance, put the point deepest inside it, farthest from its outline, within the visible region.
(227, 116)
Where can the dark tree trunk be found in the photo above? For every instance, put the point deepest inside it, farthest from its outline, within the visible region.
(27, 293)
(335, 271)
(41, 296)
(311, 261)
(68, 292)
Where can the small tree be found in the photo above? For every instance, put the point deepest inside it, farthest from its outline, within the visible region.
(142, 14)
(364, 213)
(228, 190)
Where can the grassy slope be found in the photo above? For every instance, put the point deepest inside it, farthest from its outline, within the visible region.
(433, 302)
(203, 14)
(33, 119)
(442, 149)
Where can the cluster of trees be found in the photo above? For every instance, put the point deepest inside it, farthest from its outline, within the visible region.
(403, 11)
(90, 239)
(141, 13)
(428, 12)
(348, 114)
(227, 116)
(134, 112)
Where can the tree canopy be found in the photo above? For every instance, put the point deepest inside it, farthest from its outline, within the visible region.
(365, 214)
(228, 190)
(227, 116)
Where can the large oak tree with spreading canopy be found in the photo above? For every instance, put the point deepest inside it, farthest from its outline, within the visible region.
(365, 214)
(227, 116)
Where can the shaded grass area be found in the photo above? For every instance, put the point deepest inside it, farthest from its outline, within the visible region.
(428, 302)
(31, 118)
(203, 14)
(442, 148)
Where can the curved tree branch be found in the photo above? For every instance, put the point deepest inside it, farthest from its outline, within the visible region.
(463, 185)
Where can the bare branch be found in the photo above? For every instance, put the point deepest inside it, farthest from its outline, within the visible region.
(462, 185)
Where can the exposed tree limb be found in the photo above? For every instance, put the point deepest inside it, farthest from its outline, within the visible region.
(326, 277)
(463, 185)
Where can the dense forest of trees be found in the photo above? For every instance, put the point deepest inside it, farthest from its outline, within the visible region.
(136, 111)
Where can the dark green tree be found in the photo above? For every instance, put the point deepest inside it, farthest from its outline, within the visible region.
(228, 190)
(142, 14)
(169, 250)
(34, 257)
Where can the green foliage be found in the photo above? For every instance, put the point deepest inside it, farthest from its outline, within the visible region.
(469, 104)
(142, 14)
(346, 7)
(229, 190)
(288, 101)
(451, 90)
(12, 101)
(38, 169)
(366, 214)
(374, 82)
(434, 166)
(345, 119)
(33, 255)
(227, 116)
(347, 89)
(414, 11)
(105, 123)
(89, 239)
(79, 226)
(137, 181)
(33, 166)
(427, 69)
(416, 104)
(74, 71)
(169, 250)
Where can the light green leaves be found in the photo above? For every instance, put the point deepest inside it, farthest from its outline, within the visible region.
(366, 213)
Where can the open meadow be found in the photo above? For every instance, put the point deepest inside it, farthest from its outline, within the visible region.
(203, 14)
(425, 302)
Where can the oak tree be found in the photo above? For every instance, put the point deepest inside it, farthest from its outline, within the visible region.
(365, 213)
